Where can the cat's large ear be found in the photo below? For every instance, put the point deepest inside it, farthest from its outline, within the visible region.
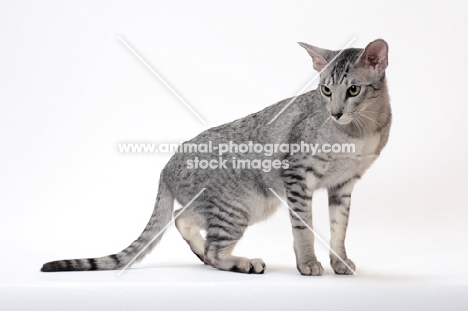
(374, 56)
(319, 56)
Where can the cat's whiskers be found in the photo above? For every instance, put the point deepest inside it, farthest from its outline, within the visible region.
(356, 125)
(324, 123)
(369, 118)
(365, 128)
(354, 121)
(386, 115)
(359, 126)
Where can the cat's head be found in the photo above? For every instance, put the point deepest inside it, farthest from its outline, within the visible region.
(351, 79)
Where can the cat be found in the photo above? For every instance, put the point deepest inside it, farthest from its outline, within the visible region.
(351, 105)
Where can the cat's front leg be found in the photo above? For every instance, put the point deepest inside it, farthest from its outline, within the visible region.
(299, 196)
(339, 200)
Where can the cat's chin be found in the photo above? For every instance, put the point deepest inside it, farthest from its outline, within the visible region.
(343, 121)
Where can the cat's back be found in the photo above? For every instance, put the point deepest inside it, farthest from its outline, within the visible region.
(267, 125)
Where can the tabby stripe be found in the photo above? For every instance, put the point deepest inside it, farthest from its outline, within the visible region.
(340, 185)
(335, 200)
(218, 238)
(295, 167)
(69, 265)
(225, 229)
(294, 176)
(298, 210)
(292, 200)
(343, 76)
(221, 202)
(297, 194)
(320, 158)
(317, 174)
(228, 210)
(333, 73)
(115, 259)
(293, 216)
(223, 235)
(234, 214)
(129, 250)
(242, 212)
(224, 219)
(92, 263)
(299, 227)
(295, 202)
(296, 221)
(301, 185)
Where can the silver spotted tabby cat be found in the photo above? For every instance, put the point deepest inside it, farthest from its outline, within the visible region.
(351, 106)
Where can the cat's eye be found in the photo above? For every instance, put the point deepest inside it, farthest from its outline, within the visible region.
(354, 90)
(325, 90)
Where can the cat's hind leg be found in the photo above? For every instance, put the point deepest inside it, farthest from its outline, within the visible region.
(190, 231)
(225, 226)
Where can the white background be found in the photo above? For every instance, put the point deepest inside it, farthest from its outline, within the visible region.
(70, 91)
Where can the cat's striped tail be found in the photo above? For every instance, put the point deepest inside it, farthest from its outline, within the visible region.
(161, 216)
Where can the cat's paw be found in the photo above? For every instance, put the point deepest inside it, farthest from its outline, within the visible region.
(340, 268)
(313, 267)
(251, 266)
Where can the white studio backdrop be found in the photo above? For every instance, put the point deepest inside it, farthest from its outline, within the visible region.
(70, 91)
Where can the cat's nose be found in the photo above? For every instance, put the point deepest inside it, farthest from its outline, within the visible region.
(337, 116)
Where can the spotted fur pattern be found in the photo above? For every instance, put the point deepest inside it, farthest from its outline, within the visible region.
(236, 198)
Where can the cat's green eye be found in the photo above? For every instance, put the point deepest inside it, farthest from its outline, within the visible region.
(325, 90)
(354, 90)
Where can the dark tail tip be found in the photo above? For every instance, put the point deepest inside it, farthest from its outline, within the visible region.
(52, 267)
(110, 262)
(62, 265)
